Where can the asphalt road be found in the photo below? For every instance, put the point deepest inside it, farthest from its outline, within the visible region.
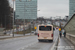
(26, 43)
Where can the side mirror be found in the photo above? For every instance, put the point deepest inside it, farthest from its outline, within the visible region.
(53, 29)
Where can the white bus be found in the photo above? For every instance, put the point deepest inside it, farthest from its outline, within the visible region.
(45, 32)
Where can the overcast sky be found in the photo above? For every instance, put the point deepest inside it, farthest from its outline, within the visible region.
(11, 3)
(52, 8)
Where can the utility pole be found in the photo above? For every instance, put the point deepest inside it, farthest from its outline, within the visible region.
(51, 20)
(30, 28)
(13, 18)
(5, 24)
(1, 22)
(24, 27)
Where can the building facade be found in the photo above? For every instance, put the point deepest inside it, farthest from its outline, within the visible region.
(71, 8)
(26, 9)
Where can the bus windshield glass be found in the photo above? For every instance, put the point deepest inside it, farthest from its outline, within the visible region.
(45, 28)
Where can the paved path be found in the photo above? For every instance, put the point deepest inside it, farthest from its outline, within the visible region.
(65, 44)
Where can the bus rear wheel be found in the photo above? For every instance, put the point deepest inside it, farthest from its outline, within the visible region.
(39, 40)
(50, 40)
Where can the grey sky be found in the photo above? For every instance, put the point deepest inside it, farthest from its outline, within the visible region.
(11, 3)
(53, 8)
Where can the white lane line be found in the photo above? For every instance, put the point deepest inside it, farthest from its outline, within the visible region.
(27, 46)
(22, 49)
(30, 44)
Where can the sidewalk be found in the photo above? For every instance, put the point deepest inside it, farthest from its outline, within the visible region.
(65, 44)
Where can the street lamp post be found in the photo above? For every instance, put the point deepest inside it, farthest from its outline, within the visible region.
(24, 19)
(13, 18)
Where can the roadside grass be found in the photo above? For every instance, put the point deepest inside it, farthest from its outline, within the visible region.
(24, 31)
(9, 29)
(55, 26)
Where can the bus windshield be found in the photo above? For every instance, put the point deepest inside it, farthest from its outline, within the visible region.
(45, 28)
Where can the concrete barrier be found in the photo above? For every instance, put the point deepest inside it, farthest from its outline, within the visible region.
(71, 38)
(54, 47)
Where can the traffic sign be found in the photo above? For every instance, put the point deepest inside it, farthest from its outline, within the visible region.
(35, 27)
(59, 29)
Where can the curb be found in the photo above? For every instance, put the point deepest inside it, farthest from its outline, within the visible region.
(54, 47)
(5, 35)
(15, 37)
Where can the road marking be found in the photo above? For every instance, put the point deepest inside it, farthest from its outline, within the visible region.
(54, 43)
(22, 49)
(27, 46)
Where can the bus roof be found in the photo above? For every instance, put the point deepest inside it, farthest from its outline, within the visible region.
(45, 25)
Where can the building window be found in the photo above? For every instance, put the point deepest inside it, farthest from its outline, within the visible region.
(29, 0)
(20, 0)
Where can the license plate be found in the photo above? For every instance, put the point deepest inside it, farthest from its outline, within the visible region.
(45, 37)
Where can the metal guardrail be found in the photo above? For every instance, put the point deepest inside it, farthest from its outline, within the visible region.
(71, 35)
(71, 38)
(54, 47)
(70, 29)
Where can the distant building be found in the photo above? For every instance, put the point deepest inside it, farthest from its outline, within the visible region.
(26, 9)
(66, 18)
(71, 8)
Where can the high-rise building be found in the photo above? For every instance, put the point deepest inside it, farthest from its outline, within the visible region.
(26, 9)
(71, 8)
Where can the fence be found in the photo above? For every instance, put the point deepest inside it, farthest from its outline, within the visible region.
(71, 38)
